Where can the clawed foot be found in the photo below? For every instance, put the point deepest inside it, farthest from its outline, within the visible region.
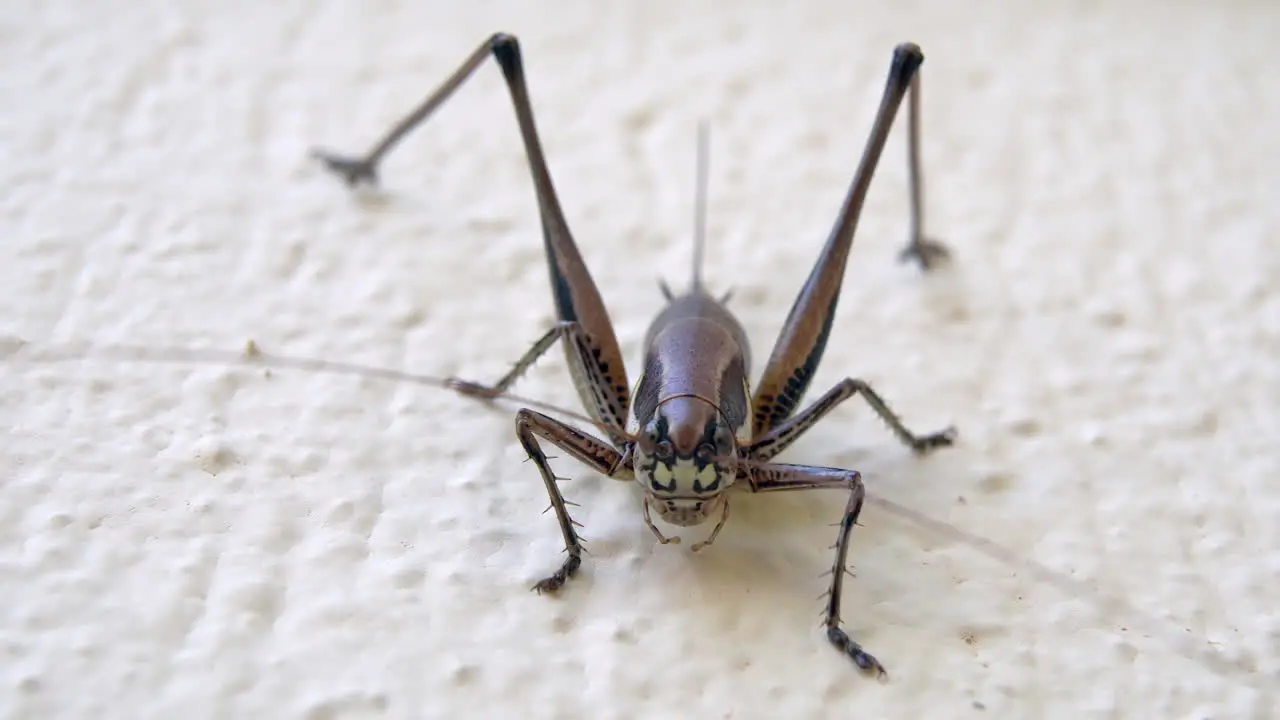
(863, 659)
(353, 171)
(926, 253)
(556, 581)
(927, 443)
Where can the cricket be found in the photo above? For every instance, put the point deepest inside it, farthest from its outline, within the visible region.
(691, 431)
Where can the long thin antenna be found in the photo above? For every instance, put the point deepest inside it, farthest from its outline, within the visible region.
(253, 356)
(700, 203)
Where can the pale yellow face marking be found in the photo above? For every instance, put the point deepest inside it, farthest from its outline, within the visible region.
(685, 473)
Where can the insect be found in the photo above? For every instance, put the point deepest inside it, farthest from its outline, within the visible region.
(692, 431)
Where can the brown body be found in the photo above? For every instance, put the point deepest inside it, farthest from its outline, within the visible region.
(696, 347)
(695, 429)
(692, 407)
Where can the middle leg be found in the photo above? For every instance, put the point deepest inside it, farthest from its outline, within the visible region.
(590, 374)
(489, 392)
(790, 430)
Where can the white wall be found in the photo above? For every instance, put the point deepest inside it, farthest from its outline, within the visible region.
(195, 541)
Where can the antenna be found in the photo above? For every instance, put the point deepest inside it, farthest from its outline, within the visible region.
(700, 203)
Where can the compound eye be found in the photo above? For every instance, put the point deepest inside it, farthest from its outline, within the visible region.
(663, 451)
(704, 454)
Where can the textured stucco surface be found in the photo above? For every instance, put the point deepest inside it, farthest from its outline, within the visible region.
(201, 541)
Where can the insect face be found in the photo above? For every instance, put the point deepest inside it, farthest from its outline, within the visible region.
(686, 461)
